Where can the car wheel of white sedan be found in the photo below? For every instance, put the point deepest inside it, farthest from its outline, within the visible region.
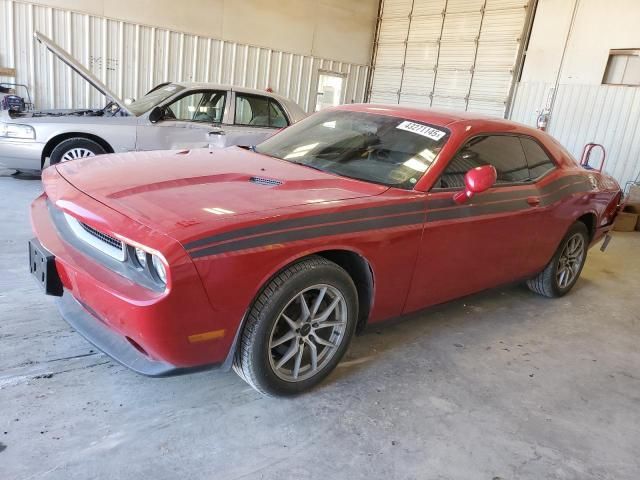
(76, 153)
(563, 270)
(75, 148)
(298, 329)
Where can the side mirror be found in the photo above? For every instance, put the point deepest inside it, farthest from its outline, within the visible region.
(476, 180)
(156, 115)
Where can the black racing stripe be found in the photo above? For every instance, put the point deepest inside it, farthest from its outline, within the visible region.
(467, 211)
(265, 235)
(558, 185)
(582, 187)
(476, 210)
(510, 195)
(307, 233)
(448, 202)
(308, 221)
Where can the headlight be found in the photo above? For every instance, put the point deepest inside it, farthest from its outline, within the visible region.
(13, 130)
(151, 265)
(158, 267)
(141, 256)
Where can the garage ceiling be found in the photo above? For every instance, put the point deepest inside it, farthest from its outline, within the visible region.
(458, 54)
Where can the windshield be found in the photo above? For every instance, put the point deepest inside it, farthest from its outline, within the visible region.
(153, 98)
(376, 148)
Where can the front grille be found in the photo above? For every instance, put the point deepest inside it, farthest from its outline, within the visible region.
(101, 241)
(114, 242)
(267, 182)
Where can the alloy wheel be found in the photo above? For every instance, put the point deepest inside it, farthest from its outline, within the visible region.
(308, 333)
(570, 261)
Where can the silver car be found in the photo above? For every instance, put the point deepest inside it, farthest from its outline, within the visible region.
(171, 116)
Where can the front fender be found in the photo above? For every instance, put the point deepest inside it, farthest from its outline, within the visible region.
(120, 137)
(279, 267)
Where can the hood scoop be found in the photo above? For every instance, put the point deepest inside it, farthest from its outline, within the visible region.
(266, 182)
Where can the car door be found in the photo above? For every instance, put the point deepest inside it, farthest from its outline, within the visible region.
(184, 122)
(553, 189)
(256, 118)
(484, 242)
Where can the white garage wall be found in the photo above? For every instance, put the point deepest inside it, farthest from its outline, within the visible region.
(584, 110)
(605, 114)
(131, 58)
(459, 54)
(336, 29)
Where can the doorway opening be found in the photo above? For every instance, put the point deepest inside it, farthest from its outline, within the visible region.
(329, 92)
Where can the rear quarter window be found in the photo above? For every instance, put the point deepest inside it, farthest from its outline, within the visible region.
(539, 162)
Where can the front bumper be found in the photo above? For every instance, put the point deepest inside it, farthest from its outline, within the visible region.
(21, 154)
(152, 332)
(116, 346)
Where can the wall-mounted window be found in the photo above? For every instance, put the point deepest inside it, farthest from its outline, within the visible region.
(623, 67)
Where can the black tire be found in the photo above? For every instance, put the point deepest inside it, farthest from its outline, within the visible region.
(547, 282)
(254, 361)
(75, 143)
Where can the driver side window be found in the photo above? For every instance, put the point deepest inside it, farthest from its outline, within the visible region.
(205, 107)
(504, 152)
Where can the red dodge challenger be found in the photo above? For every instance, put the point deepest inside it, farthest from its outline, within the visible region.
(269, 259)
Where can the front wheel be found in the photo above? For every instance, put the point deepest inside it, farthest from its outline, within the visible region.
(298, 329)
(562, 272)
(75, 148)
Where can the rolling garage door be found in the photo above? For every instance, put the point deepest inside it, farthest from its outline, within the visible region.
(459, 54)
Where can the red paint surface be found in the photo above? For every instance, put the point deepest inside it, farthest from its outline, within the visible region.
(165, 199)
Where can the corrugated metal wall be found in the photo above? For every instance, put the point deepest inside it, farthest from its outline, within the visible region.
(604, 114)
(132, 58)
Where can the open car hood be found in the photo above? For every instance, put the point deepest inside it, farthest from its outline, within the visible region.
(186, 194)
(77, 67)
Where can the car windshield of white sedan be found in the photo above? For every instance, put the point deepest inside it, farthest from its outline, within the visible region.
(153, 98)
(376, 148)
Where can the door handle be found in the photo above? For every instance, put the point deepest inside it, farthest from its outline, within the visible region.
(533, 201)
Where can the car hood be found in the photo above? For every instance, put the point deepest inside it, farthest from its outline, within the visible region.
(48, 114)
(76, 66)
(188, 193)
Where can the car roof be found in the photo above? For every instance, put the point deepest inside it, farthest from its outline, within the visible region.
(467, 122)
(295, 111)
(220, 86)
(439, 117)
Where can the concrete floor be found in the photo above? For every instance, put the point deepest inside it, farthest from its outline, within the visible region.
(501, 385)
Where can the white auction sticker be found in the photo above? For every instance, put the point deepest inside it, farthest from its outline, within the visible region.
(420, 129)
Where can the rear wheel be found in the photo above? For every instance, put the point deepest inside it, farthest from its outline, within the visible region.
(75, 148)
(562, 272)
(298, 329)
